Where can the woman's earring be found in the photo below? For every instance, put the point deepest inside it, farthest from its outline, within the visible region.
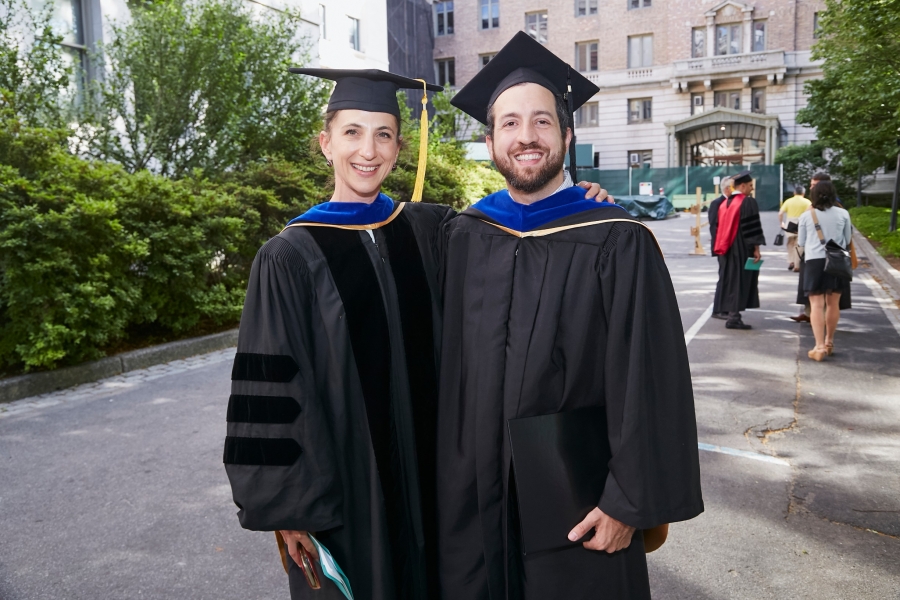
(329, 162)
(394, 168)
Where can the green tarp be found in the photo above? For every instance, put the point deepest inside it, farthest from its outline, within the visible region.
(686, 180)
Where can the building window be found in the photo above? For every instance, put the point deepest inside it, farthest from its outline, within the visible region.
(640, 158)
(816, 25)
(698, 42)
(490, 14)
(758, 100)
(729, 99)
(759, 36)
(640, 51)
(728, 39)
(638, 4)
(322, 30)
(536, 25)
(443, 18)
(446, 71)
(354, 32)
(68, 21)
(697, 101)
(640, 110)
(484, 59)
(588, 115)
(584, 8)
(586, 56)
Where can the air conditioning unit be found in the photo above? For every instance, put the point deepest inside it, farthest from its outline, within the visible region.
(698, 100)
(634, 159)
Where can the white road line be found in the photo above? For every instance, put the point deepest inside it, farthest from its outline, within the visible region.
(690, 333)
(884, 300)
(744, 454)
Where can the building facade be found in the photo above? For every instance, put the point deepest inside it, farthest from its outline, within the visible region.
(682, 82)
(342, 34)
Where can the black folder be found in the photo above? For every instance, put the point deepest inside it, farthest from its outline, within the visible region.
(561, 462)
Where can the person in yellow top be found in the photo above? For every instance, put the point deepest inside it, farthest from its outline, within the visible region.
(792, 209)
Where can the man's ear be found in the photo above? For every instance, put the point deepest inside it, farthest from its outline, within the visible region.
(490, 146)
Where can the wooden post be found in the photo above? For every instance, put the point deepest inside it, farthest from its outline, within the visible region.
(695, 231)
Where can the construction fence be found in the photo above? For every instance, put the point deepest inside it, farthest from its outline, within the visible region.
(680, 184)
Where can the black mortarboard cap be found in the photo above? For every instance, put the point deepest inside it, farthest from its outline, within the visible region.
(371, 90)
(521, 60)
(742, 177)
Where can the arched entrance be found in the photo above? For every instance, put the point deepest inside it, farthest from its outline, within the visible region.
(723, 137)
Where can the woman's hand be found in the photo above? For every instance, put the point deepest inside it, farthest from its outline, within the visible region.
(595, 192)
(292, 538)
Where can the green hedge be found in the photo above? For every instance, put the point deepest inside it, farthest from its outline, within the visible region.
(873, 222)
(93, 258)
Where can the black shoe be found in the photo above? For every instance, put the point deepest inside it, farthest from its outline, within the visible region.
(720, 315)
(791, 267)
(738, 324)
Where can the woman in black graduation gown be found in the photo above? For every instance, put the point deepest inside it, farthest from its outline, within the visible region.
(331, 421)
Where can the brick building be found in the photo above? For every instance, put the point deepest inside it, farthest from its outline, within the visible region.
(682, 82)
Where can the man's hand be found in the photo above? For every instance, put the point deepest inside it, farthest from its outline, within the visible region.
(611, 535)
(756, 254)
(595, 192)
(292, 538)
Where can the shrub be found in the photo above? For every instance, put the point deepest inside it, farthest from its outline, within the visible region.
(872, 222)
(88, 250)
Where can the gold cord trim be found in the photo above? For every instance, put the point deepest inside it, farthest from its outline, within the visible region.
(355, 227)
(552, 230)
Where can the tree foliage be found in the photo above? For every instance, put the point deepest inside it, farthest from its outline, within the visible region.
(35, 79)
(201, 85)
(855, 107)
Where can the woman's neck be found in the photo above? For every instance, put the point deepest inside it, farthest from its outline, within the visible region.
(344, 193)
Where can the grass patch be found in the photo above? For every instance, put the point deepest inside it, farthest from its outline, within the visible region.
(873, 222)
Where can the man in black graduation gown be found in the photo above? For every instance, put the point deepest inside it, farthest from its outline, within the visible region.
(713, 219)
(331, 418)
(552, 304)
(739, 235)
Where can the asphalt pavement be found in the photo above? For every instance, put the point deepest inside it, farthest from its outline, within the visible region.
(117, 490)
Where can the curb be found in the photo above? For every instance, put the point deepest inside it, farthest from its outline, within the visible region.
(25, 386)
(888, 274)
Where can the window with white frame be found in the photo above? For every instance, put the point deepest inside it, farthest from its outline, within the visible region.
(728, 39)
(640, 158)
(490, 13)
(322, 30)
(353, 30)
(697, 103)
(588, 115)
(698, 42)
(640, 51)
(586, 56)
(727, 99)
(445, 71)
(68, 20)
(640, 110)
(536, 25)
(484, 59)
(443, 18)
(584, 8)
(759, 36)
(816, 25)
(638, 4)
(758, 100)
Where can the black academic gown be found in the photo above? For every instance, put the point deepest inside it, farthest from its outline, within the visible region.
(713, 219)
(332, 414)
(538, 325)
(740, 287)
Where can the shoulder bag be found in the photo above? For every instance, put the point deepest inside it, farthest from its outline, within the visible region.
(837, 259)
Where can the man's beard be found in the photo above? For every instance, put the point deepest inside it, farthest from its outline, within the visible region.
(528, 183)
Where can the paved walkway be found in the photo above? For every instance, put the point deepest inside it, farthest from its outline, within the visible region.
(116, 489)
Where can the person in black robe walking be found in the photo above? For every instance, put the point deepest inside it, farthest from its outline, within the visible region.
(713, 218)
(331, 421)
(553, 304)
(739, 235)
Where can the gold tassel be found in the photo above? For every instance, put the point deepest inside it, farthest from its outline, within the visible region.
(423, 147)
